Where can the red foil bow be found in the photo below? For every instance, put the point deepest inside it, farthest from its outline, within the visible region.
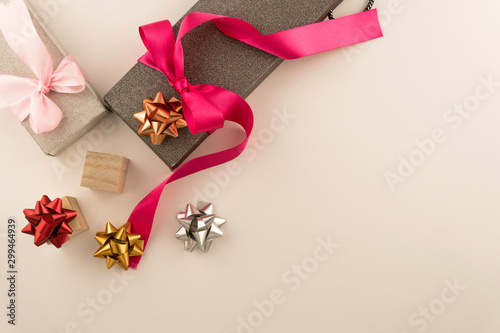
(49, 222)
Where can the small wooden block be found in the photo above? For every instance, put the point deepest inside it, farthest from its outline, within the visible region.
(78, 224)
(105, 172)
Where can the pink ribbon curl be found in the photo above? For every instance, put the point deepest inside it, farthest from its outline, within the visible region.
(206, 106)
(25, 96)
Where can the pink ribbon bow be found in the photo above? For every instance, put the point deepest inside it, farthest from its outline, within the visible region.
(25, 96)
(206, 106)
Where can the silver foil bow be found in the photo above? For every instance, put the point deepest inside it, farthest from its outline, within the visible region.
(199, 227)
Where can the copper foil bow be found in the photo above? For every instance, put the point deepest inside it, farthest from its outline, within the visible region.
(49, 222)
(159, 118)
(118, 245)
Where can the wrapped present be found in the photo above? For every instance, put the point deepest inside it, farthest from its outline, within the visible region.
(213, 58)
(207, 107)
(42, 87)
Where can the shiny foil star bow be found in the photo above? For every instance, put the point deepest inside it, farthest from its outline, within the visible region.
(159, 118)
(118, 245)
(49, 222)
(199, 227)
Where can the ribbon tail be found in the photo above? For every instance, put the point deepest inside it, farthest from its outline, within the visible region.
(309, 39)
(21, 35)
(142, 218)
(235, 109)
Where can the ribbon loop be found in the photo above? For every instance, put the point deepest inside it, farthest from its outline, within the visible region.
(160, 50)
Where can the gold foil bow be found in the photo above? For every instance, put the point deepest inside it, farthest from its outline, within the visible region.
(159, 118)
(118, 245)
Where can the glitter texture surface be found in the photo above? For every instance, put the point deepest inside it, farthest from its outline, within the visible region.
(81, 111)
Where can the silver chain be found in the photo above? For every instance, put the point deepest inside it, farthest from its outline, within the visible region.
(368, 7)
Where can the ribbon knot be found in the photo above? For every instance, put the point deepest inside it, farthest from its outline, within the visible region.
(20, 94)
(42, 88)
(181, 85)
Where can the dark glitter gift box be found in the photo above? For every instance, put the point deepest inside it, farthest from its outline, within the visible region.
(213, 58)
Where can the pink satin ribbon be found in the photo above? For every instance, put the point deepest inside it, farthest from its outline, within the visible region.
(206, 107)
(27, 97)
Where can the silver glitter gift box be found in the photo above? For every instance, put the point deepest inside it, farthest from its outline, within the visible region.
(213, 58)
(81, 111)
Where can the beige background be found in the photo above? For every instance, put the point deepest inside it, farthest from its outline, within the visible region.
(422, 256)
